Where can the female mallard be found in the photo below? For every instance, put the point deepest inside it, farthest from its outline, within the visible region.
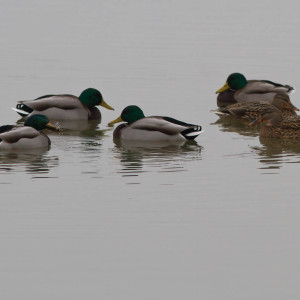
(238, 89)
(28, 136)
(248, 111)
(65, 107)
(274, 125)
(155, 128)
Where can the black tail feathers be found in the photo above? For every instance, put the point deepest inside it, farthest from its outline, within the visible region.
(23, 107)
(192, 133)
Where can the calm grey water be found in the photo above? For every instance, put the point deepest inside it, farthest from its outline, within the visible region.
(88, 219)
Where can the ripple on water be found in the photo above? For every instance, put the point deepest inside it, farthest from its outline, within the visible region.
(274, 153)
(135, 159)
(32, 162)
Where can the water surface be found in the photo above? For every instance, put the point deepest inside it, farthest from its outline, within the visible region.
(88, 218)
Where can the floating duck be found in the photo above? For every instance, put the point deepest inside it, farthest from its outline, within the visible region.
(28, 136)
(154, 128)
(274, 125)
(238, 89)
(248, 111)
(65, 107)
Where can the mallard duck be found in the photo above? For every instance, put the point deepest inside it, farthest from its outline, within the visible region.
(238, 89)
(154, 128)
(274, 125)
(248, 111)
(28, 136)
(65, 107)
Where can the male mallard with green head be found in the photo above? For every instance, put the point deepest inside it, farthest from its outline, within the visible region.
(154, 128)
(238, 89)
(28, 136)
(65, 107)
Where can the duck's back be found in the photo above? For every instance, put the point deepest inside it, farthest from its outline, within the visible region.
(285, 88)
(23, 138)
(259, 91)
(59, 101)
(150, 129)
(59, 107)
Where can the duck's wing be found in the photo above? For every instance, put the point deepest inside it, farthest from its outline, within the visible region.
(168, 126)
(45, 96)
(49, 101)
(243, 110)
(291, 123)
(259, 91)
(64, 102)
(12, 136)
(282, 87)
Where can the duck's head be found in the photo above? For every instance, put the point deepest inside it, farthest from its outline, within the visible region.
(235, 81)
(270, 116)
(92, 97)
(39, 122)
(129, 114)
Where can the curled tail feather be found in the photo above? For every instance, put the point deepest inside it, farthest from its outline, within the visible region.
(22, 109)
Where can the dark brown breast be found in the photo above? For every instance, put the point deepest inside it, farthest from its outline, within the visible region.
(117, 131)
(226, 98)
(95, 114)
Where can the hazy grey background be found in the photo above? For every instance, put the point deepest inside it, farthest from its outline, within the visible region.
(218, 219)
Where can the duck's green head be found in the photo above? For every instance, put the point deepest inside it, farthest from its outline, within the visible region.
(92, 97)
(235, 81)
(39, 122)
(129, 114)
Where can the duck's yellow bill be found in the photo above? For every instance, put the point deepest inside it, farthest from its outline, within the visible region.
(117, 120)
(104, 104)
(224, 88)
(50, 126)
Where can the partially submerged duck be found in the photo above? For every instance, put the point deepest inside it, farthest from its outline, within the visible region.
(238, 89)
(28, 136)
(274, 125)
(154, 128)
(65, 106)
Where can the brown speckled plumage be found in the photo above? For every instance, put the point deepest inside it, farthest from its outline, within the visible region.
(275, 125)
(248, 111)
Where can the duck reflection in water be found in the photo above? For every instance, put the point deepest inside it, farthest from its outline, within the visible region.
(135, 156)
(274, 153)
(230, 125)
(75, 128)
(33, 161)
